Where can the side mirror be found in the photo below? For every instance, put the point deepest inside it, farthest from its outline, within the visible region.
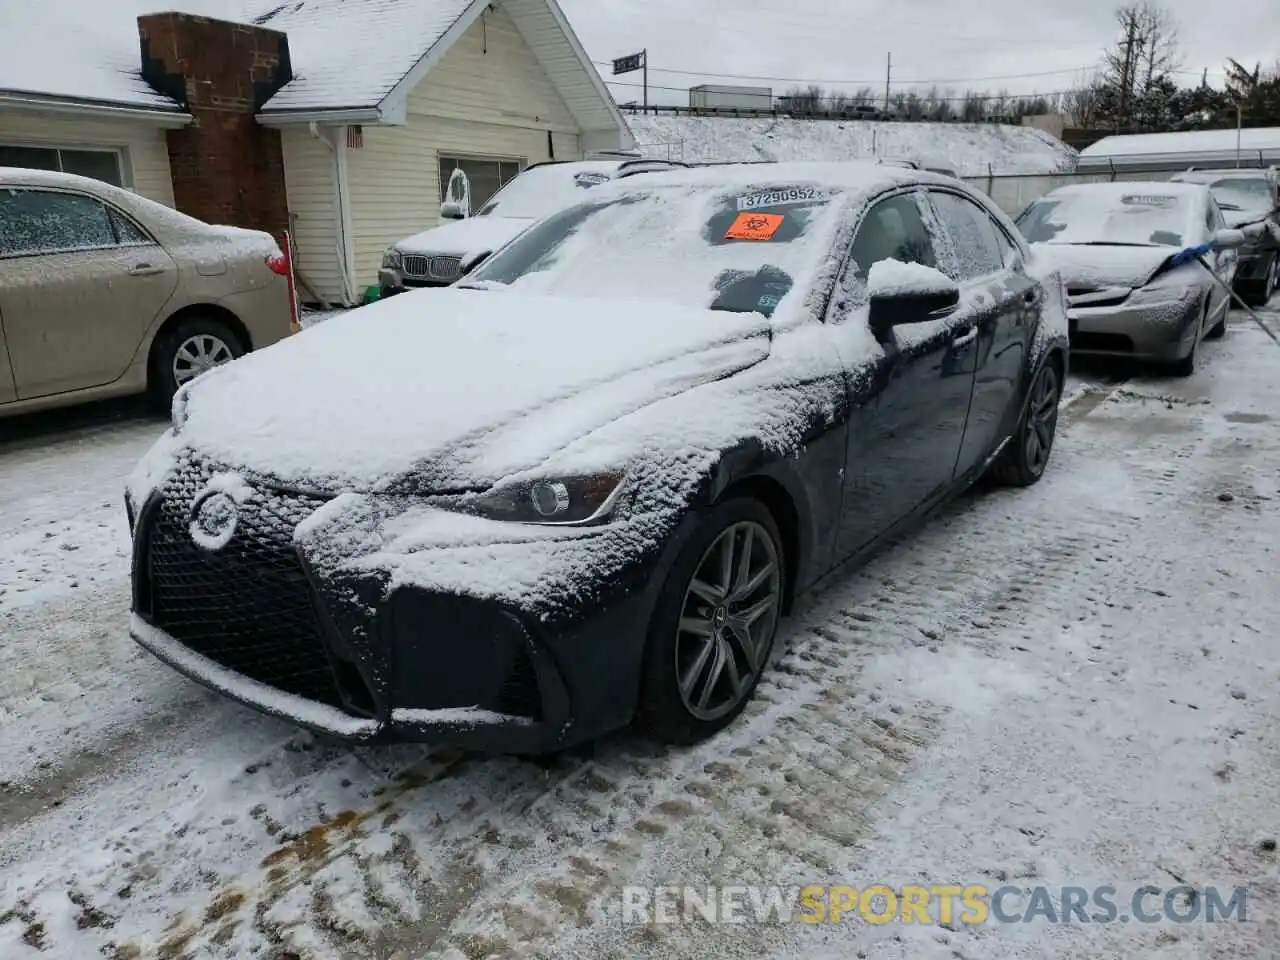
(908, 293)
(451, 211)
(1254, 231)
(1228, 239)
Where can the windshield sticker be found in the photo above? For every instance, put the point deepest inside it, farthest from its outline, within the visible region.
(754, 226)
(774, 197)
(590, 179)
(1147, 200)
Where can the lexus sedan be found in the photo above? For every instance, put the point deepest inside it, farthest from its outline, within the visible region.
(104, 293)
(1114, 244)
(586, 492)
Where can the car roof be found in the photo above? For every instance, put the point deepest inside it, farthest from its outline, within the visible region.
(854, 176)
(1227, 173)
(1121, 188)
(30, 177)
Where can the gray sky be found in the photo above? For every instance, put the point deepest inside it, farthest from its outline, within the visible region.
(1032, 46)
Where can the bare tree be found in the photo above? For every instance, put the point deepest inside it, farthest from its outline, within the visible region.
(1142, 60)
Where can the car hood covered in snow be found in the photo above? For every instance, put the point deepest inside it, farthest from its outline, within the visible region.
(1103, 266)
(459, 387)
(463, 238)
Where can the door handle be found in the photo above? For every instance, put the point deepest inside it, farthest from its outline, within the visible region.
(966, 338)
(145, 270)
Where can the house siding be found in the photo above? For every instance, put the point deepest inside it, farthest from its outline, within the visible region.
(487, 97)
(144, 148)
(311, 184)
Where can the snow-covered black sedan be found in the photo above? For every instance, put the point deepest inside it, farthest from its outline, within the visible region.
(580, 488)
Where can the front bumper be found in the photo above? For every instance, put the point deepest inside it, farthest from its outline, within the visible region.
(1155, 331)
(392, 281)
(358, 659)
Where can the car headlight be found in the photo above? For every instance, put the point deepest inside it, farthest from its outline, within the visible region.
(559, 500)
(391, 258)
(1162, 294)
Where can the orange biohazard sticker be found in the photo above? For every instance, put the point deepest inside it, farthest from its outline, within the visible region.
(754, 226)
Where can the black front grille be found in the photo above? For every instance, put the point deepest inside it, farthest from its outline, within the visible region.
(247, 606)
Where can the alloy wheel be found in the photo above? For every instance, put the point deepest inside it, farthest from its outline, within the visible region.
(1042, 420)
(199, 354)
(727, 620)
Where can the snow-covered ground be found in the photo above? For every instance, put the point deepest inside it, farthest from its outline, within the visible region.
(1071, 684)
(971, 149)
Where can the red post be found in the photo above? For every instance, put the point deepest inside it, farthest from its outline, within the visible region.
(294, 312)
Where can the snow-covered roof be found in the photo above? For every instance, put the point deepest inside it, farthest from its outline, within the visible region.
(1257, 145)
(349, 55)
(88, 52)
(345, 54)
(969, 149)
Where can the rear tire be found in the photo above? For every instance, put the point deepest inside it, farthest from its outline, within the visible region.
(1026, 455)
(177, 353)
(714, 624)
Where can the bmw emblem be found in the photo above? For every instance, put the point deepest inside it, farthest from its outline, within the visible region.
(214, 516)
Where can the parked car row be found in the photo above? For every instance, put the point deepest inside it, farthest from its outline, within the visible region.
(579, 485)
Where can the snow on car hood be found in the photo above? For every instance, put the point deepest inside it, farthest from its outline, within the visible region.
(461, 387)
(462, 238)
(1081, 264)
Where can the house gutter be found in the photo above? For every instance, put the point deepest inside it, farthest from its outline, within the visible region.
(346, 253)
(95, 110)
(339, 116)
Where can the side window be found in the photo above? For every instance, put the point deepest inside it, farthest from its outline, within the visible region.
(38, 221)
(976, 239)
(127, 232)
(893, 228)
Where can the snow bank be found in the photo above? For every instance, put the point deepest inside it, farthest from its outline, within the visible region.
(969, 149)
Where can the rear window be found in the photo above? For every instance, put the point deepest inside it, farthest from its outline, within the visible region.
(706, 246)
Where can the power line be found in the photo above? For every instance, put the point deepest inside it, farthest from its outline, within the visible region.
(1086, 68)
(865, 82)
(838, 97)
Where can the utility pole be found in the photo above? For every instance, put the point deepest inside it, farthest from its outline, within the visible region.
(888, 72)
(644, 56)
(1239, 124)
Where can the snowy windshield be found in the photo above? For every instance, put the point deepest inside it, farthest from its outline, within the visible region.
(1252, 195)
(543, 190)
(736, 250)
(1142, 217)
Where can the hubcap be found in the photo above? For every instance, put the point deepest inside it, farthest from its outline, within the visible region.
(1042, 420)
(198, 355)
(728, 619)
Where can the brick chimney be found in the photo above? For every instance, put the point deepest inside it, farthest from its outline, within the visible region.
(227, 168)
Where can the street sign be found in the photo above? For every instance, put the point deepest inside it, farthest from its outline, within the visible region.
(628, 64)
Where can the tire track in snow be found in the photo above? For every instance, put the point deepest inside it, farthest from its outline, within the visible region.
(388, 848)
(813, 754)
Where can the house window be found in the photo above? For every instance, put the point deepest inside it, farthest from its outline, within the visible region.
(102, 165)
(487, 176)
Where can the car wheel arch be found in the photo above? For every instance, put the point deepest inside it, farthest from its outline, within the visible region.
(211, 311)
(749, 472)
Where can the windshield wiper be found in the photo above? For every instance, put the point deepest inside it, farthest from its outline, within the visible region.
(1101, 243)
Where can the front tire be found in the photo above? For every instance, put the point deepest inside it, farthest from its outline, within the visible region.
(1026, 456)
(187, 349)
(714, 625)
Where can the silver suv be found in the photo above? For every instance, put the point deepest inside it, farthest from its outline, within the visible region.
(439, 256)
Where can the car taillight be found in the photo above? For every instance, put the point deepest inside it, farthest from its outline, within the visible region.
(278, 263)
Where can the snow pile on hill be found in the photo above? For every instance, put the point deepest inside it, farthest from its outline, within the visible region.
(969, 149)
